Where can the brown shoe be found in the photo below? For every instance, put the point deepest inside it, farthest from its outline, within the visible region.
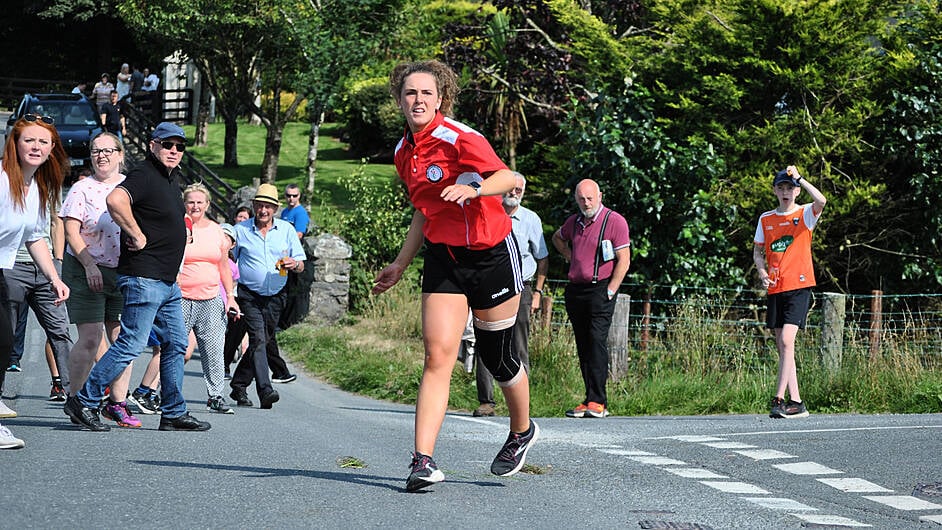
(486, 409)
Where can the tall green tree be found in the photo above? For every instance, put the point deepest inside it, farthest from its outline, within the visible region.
(242, 47)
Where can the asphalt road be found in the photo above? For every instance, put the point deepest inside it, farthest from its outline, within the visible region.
(285, 468)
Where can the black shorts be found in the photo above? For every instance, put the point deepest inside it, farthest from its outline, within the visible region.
(486, 277)
(789, 307)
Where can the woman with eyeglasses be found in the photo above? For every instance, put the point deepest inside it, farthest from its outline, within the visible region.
(89, 269)
(30, 184)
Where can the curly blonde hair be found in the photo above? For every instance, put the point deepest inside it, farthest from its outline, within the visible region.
(445, 79)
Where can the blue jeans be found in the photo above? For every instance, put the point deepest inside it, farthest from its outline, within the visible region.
(148, 303)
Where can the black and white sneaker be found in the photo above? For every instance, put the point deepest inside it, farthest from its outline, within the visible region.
(424, 472)
(284, 378)
(218, 404)
(512, 456)
(794, 409)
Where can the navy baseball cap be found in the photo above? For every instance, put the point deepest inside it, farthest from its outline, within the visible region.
(166, 129)
(783, 176)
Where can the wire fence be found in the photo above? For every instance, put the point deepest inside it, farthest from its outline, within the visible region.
(728, 326)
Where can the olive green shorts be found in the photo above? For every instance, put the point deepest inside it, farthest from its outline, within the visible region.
(86, 306)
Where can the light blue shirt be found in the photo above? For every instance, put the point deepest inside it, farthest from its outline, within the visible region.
(257, 256)
(528, 231)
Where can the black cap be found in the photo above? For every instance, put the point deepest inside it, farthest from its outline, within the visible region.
(783, 176)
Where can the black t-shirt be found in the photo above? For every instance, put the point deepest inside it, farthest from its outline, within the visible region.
(157, 206)
(112, 117)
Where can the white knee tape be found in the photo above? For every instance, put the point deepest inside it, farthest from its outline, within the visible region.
(485, 325)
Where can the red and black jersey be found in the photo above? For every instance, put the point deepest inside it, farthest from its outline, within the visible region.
(445, 153)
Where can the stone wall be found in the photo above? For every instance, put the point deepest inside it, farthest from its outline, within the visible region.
(329, 257)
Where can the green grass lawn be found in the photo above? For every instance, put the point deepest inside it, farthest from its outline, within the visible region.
(333, 162)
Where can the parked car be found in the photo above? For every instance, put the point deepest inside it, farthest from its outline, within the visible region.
(77, 122)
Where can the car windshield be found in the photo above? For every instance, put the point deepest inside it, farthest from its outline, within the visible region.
(66, 112)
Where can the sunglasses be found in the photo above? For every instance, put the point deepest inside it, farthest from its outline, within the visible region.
(292, 195)
(107, 151)
(168, 145)
(34, 117)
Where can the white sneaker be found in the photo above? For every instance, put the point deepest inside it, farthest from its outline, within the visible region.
(8, 441)
(5, 411)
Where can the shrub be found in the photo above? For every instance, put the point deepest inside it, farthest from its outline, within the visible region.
(374, 123)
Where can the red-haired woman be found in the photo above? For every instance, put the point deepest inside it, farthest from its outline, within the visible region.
(30, 184)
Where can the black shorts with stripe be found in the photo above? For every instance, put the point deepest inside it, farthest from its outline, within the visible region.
(789, 307)
(486, 277)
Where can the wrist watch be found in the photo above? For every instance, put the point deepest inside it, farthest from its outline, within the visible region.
(476, 185)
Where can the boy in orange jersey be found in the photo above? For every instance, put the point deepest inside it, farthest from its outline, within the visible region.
(782, 254)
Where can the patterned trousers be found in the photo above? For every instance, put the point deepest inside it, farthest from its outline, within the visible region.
(207, 320)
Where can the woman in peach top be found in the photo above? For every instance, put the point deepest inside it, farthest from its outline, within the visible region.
(205, 268)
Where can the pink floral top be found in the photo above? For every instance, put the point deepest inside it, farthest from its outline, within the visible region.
(86, 203)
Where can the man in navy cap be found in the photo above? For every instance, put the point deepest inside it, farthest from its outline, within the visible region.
(149, 209)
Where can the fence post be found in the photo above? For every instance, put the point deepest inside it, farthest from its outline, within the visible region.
(546, 312)
(876, 324)
(646, 321)
(618, 338)
(832, 331)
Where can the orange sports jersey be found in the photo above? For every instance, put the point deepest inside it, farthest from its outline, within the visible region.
(787, 242)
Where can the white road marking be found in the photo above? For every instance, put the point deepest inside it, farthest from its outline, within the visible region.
(693, 472)
(707, 438)
(779, 503)
(828, 520)
(623, 452)
(931, 518)
(472, 419)
(734, 487)
(806, 468)
(765, 454)
(903, 502)
(854, 485)
(691, 438)
(658, 460)
(729, 445)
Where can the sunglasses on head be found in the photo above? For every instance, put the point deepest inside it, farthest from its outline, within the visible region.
(168, 145)
(45, 119)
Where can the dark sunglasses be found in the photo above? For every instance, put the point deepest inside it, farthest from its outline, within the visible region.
(168, 145)
(292, 195)
(45, 119)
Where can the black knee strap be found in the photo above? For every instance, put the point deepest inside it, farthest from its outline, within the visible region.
(496, 350)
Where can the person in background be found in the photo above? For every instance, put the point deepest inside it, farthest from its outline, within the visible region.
(294, 212)
(242, 213)
(89, 269)
(102, 91)
(151, 81)
(123, 82)
(137, 80)
(31, 174)
(80, 88)
(782, 254)
(455, 181)
(596, 243)
(534, 257)
(205, 268)
(267, 250)
(112, 116)
(148, 208)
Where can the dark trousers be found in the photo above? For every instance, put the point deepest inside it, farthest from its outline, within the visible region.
(6, 331)
(260, 316)
(590, 312)
(483, 378)
(235, 332)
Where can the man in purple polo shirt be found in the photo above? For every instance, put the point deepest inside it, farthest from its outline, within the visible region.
(596, 243)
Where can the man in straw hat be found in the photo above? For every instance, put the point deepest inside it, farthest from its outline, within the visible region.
(267, 250)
